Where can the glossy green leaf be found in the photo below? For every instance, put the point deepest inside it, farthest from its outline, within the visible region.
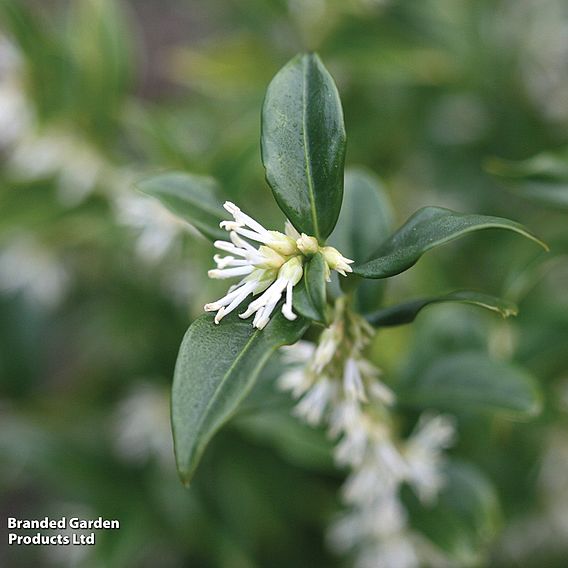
(310, 294)
(216, 367)
(407, 312)
(472, 381)
(303, 303)
(428, 228)
(190, 197)
(303, 144)
(464, 519)
(542, 179)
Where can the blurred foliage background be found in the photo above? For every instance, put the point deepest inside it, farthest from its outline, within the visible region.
(98, 283)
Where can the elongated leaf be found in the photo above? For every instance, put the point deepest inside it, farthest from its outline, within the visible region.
(366, 219)
(542, 167)
(474, 382)
(407, 312)
(217, 366)
(190, 197)
(552, 194)
(524, 278)
(465, 517)
(303, 302)
(303, 144)
(310, 295)
(428, 228)
(542, 178)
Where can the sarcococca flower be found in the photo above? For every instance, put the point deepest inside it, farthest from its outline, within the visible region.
(271, 270)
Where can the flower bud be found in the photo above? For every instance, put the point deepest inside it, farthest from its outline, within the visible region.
(307, 245)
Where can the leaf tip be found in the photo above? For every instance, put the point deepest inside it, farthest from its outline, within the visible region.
(185, 472)
(533, 238)
(510, 312)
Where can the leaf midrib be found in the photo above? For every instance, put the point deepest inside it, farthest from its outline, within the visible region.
(213, 398)
(498, 224)
(308, 168)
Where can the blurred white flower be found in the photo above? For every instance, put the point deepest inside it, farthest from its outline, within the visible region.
(28, 266)
(142, 426)
(336, 384)
(315, 402)
(424, 454)
(15, 114)
(56, 152)
(158, 231)
(537, 31)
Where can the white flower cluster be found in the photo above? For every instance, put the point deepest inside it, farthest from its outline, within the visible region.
(338, 385)
(271, 270)
(34, 150)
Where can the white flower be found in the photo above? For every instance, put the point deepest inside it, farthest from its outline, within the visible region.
(336, 261)
(158, 230)
(26, 265)
(296, 381)
(352, 381)
(301, 352)
(346, 416)
(251, 229)
(272, 269)
(314, 403)
(398, 550)
(337, 384)
(288, 276)
(327, 346)
(424, 454)
(352, 447)
(141, 428)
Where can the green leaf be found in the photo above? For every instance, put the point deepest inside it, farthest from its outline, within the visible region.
(216, 367)
(101, 45)
(542, 167)
(190, 197)
(310, 294)
(366, 219)
(465, 517)
(303, 145)
(472, 381)
(542, 178)
(303, 303)
(407, 312)
(428, 228)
